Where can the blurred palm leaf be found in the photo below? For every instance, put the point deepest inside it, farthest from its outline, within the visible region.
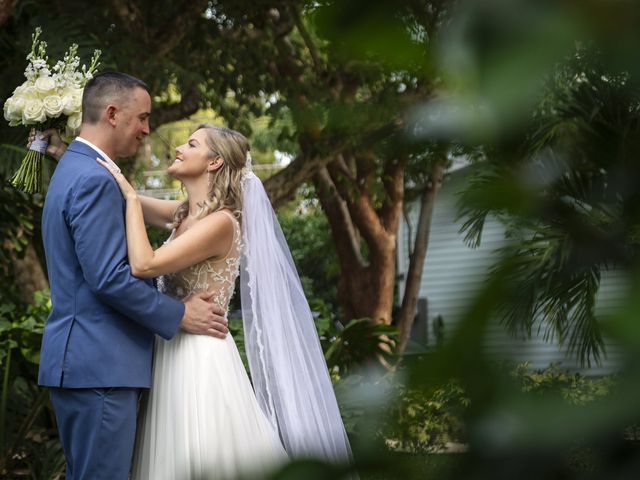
(567, 194)
(359, 342)
(10, 158)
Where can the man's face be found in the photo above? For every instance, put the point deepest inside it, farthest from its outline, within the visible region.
(133, 123)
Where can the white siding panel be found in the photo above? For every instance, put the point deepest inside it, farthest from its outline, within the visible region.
(454, 272)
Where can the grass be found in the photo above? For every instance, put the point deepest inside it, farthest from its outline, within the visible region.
(418, 466)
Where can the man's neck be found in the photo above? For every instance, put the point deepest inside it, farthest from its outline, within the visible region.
(98, 139)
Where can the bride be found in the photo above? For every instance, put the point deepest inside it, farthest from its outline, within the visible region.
(202, 418)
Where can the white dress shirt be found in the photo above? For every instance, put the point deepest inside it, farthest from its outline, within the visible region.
(104, 156)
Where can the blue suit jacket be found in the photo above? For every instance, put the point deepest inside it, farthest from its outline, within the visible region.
(100, 332)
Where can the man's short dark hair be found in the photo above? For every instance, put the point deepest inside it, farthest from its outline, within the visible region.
(104, 88)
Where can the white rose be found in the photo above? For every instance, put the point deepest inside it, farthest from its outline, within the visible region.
(52, 105)
(71, 101)
(13, 108)
(45, 86)
(25, 89)
(8, 107)
(73, 124)
(33, 112)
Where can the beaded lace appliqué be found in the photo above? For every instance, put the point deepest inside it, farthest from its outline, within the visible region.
(217, 275)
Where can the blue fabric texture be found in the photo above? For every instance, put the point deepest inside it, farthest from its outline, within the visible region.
(97, 428)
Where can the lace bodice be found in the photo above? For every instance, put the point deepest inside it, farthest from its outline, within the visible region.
(214, 274)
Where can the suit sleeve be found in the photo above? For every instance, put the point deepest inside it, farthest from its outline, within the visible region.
(96, 219)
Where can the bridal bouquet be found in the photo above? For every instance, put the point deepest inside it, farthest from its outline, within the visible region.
(51, 97)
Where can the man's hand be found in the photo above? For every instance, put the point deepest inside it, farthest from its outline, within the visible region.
(204, 318)
(56, 146)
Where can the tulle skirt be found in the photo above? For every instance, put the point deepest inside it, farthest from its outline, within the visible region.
(201, 419)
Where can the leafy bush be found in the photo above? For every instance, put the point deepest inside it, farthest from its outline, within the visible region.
(426, 421)
(27, 437)
(157, 236)
(573, 387)
(17, 214)
(23, 329)
(358, 343)
(309, 237)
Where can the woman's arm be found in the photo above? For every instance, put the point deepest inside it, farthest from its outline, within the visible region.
(158, 212)
(209, 237)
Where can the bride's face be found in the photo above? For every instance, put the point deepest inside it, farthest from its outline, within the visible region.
(194, 158)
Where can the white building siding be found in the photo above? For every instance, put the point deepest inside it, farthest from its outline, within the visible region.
(453, 273)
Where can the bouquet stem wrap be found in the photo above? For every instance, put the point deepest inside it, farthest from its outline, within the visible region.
(28, 178)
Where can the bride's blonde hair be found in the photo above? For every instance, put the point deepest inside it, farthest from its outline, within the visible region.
(225, 183)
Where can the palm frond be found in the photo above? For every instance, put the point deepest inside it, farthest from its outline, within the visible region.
(10, 158)
(551, 290)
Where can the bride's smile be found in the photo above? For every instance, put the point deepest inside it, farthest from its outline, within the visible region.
(194, 158)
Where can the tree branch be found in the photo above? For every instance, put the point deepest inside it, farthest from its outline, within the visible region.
(361, 211)
(189, 104)
(417, 258)
(393, 181)
(345, 236)
(132, 17)
(307, 40)
(282, 185)
(179, 25)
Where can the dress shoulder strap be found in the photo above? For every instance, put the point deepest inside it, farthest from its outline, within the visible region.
(236, 231)
(229, 214)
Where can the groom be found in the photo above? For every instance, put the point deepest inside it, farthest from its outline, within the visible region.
(98, 340)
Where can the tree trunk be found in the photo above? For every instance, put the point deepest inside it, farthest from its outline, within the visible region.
(29, 276)
(368, 292)
(416, 259)
(365, 288)
(6, 7)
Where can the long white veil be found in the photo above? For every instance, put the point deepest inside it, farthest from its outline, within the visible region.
(288, 369)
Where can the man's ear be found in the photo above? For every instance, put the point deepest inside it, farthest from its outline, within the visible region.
(111, 114)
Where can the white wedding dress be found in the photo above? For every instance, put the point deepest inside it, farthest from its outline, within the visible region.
(201, 419)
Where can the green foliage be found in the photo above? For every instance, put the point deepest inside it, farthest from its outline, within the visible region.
(17, 212)
(32, 444)
(360, 342)
(309, 237)
(157, 236)
(26, 438)
(426, 421)
(557, 133)
(573, 387)
(569, 211)
(394, 465)
(22, 330)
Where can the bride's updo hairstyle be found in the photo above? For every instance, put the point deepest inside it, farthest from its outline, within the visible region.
(225, 183)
